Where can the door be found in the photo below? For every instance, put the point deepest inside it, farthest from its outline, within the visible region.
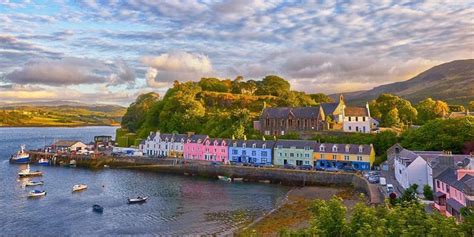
(285, 162)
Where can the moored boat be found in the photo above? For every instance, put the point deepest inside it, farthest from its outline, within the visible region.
(27, 172)
(79, 187)
(34, 183)
(43, 162)
(21, 157)
(36, 193)
(224, 178)
(97, 208)
(137, 200)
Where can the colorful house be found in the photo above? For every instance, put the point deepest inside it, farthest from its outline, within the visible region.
(454, 190)
(164, 145)
(251, 152)
(329, 155)
(293, 152)
(215, 149)
(193, 147)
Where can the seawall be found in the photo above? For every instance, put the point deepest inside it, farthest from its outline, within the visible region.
(253, 174)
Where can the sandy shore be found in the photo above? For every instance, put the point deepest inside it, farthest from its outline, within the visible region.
(293, 213)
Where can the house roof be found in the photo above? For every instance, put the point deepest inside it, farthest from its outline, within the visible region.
(356, 111)
(249, 143)
(460, 114)
(65, 143)
(454, 204)
(465, 185)
(284, 112)
(341, 148)
(329, 108)
(299, 144)
(195, 137)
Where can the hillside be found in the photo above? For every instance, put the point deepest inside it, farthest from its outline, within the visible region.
(65, 114)
(452, 82)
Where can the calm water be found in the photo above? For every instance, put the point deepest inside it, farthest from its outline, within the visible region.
(178, 205)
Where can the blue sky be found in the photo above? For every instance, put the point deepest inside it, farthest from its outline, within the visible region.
(111, 51)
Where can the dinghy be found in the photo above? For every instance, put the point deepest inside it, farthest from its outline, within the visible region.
(36, 193)
(137, 200)
(34, 183)
(27, 172)
(79, 187)
(97, 208)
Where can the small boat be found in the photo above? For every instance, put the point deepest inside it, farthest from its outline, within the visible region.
(224, 178)
(34, 183)
(137, 200)
(97, 208)
(238, 179)
(106, 166)
(79, 187)
(43, 162)
(21, 157)
(72, 164)
(36, 193)
(27, 172)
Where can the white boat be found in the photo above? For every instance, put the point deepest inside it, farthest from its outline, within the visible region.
(137, 200)
(224, 178)
(36, 193)
(79, 187)
(21, 157)
(106, 166)
(27, 172)
(34, 183)
(43, 161)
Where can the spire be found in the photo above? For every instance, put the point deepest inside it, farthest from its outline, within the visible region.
(341, 98)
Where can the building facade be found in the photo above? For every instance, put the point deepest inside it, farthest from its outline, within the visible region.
(357, 119)
(340, 156)
(454, 190)
(164, 145)
(255, 152)
(293, 152)
(215, 149)
(193, 147)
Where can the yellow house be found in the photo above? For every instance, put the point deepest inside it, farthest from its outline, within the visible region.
(329, 155)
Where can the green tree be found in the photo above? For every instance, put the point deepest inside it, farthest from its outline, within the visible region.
(391, 118)
(329, 218)
(273, 85)
(321, 98)
(214, 84)
(430, 109)
(471, 105)
(136, 112)
(428, 192)
(386, 103)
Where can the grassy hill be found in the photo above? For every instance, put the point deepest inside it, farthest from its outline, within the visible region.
(25, 114)
(452, 82)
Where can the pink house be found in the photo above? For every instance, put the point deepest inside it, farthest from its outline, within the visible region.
(193, 147)
(454, 190)
(216, 149)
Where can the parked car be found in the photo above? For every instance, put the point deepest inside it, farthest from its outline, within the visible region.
(382, 181)
(349, 169)
(289, 166)
(390, 188)
(318, 168)
(305, 167)
(374, 179)
(332, 169)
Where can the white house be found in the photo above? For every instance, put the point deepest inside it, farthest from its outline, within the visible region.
(166, 145)
(69, 146)
(357, 119)
(419, 167)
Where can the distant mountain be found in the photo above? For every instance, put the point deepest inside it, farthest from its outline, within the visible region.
(452, 82)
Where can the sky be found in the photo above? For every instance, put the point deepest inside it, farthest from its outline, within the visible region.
(111, 51)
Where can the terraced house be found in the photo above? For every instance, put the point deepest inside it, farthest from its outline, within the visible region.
(215, 149)
(251, 151)
(164, 144)
(293, 152)
(193, 147)
(329, 155)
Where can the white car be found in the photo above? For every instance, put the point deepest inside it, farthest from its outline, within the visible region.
(382, 181)
(390, 188)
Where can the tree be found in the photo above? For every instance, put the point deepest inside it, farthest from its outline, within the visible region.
(321, 98)
(273, 85)
(457, 108)
(428, 192)
(391, 119)
(471, 105)
(430, 109)
(136, 112)
(329, 217)
(214, 84)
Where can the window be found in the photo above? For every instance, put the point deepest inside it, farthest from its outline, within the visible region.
(244, 145)
(359, 158)
(346, 157)
(321, 148)
(254, 145)
(306, 155)
(361, 148)
(321, 156)
(350, 128)
(254, 153)
(264, 146)
(263, 153)
(357, 119)
(292, 155)
(281, 154)
(234, 152)
(264, 160)
(348, 148)
(334, 157)
(447, 188)
(306, 162)
(244, 153)
(334, 148)
(363, 119)
(349, 118)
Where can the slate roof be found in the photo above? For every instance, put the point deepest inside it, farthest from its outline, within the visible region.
(329, 108)
(65, 143)
(299, 144)
(454, 204)
(356, 111)
(249, 143)
(284, 112)
(194, 138)
(219, 140)
(465, 185)
(341, 148)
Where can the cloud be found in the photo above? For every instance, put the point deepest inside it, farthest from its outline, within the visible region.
(72, 71)
(180, 66)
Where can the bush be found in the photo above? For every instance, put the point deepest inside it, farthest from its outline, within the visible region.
(427, 192)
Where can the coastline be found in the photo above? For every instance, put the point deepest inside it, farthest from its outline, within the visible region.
(59, 126)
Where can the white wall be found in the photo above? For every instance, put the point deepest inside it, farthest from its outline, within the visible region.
(417, 172)
(353, 124)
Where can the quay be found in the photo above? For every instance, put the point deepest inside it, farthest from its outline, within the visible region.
(249, 174)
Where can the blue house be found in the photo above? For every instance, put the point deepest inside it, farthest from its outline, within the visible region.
(251, 152)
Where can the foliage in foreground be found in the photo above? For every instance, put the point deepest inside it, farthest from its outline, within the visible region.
(331, 219)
